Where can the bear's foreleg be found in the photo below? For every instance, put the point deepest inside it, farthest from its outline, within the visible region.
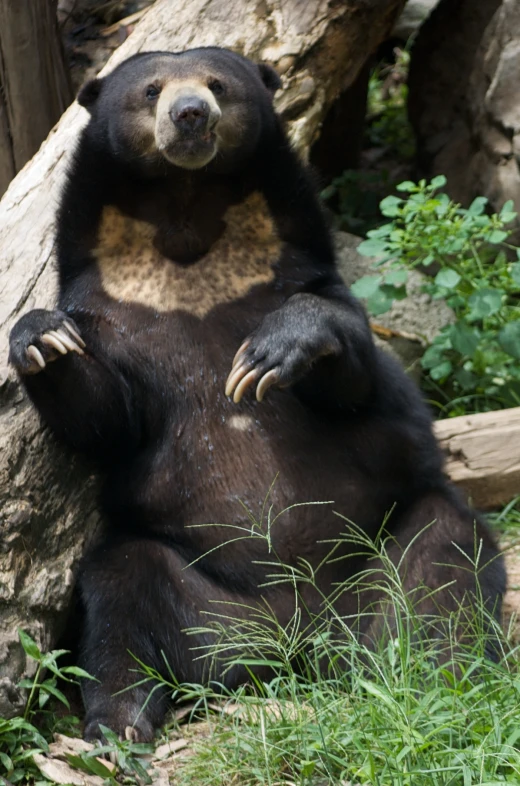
(321, 339)
(79, 394)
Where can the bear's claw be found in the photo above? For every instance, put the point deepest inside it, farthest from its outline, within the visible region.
(58, 340)
(242, 376)
(41, 337)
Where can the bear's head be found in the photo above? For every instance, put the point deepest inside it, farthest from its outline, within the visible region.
(187, 109)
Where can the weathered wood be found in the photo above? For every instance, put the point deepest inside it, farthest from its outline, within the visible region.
(483, 455)
(35, 88)
(47, 500)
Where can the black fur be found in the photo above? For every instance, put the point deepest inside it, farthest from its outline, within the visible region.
(146, 401)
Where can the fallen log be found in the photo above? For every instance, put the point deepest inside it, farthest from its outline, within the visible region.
(47, 497)
(483, 455)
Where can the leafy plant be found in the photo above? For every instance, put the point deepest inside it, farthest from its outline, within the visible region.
(42, 687)
(473, 361)
(126, 752)
(387, 114)
(19, 737)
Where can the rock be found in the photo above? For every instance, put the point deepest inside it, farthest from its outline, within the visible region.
(60, 772)
(413, 15)
(464, 101)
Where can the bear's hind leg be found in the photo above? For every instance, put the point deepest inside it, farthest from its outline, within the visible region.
(449, 567)
(138, 600)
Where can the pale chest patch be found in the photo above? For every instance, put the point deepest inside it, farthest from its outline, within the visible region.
(241, 422)
(133, 270)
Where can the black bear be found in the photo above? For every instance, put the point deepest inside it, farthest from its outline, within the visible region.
(206, 353)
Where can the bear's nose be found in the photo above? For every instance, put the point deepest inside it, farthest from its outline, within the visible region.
(190, 114)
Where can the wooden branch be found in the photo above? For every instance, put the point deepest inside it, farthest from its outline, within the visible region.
(483, 455)
(47, 498)
(35, 86)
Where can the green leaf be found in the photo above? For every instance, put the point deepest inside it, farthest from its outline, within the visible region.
(89, 764)
(392, 292)
(6, 762)
(515, 272)
(485, 302)
(464, 338)
(307, 767)
(109, 735)
(432, 357)
(328, 192)
(441, 371)
(465, 378)
(478, 206)
(366, 286)
(372, 248)
(396, 278)
(383, 231)
(43, 698)
(29, 645)
(438, 182)
(390, 206)
(508, 213)
(49, 687)
(78, 672)
(497, 236)
(380, 302)
(406, 185)
(447, 278)
(509, 339)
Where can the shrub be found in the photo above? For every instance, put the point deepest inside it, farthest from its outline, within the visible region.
(462, 252)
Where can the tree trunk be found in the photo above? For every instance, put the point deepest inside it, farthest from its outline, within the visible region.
(35, 88)
(47, 498)
(464, 100)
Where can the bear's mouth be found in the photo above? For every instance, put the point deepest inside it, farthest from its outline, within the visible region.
(192, 151)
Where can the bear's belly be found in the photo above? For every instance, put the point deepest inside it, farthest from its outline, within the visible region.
(220, 482)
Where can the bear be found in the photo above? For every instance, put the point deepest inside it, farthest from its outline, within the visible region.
(207, 356)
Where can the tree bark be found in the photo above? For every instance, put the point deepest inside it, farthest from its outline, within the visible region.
(47, 498)
(35, 87)
(464, 101)
(483, 455)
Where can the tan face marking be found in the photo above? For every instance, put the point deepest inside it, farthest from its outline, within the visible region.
(134, 271)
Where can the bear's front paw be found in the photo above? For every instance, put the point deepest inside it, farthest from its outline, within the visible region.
(280, 353)
(41, 337)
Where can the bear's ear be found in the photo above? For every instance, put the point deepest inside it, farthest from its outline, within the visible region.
(269, 77)
(89, 93)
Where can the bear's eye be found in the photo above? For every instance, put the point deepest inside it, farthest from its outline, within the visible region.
(216, 87)
(152, 92)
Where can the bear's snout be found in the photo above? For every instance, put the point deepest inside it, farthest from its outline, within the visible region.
(190, 113)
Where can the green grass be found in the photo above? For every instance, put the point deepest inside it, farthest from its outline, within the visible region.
(506, 522)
